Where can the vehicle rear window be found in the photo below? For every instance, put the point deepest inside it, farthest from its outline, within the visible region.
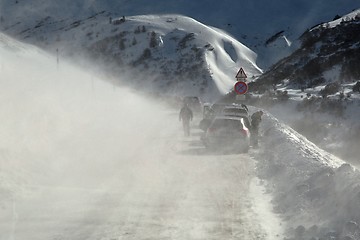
(234, 111)
(227, 123)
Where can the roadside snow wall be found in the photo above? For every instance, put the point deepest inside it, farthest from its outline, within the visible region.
(317, 194)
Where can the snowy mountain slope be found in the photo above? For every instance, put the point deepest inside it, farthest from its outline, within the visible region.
(340, 20)
(71, 27)
(171, 54)
(251, 22)
(185, 56)
(328, 54)
(9, 44)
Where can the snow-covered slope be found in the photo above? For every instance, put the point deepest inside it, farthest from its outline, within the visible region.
(212, 56)
(251, 22)
(328, 54)
(183, 56)
(167, 54)
(339, 20)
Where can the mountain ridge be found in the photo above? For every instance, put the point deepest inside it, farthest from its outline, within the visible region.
(249, 22)
(328, 53)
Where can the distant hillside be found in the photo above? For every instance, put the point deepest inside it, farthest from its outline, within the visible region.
(328, 53)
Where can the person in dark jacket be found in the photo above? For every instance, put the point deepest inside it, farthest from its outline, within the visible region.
(186, 115)
(255, 123)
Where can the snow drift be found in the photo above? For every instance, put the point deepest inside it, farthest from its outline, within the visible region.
(315, 192)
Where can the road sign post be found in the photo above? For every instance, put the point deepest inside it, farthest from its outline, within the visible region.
(239, 97)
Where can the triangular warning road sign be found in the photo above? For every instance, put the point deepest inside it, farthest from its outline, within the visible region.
(241, 74)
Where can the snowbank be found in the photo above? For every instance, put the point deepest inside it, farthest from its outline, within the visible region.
(317, 194)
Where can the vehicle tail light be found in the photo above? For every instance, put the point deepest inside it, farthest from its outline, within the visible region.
(211, 129)
(244, 132)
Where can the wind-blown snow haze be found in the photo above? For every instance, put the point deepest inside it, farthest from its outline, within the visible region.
(92, 145)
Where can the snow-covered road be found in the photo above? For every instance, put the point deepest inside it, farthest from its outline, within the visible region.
(172, 189)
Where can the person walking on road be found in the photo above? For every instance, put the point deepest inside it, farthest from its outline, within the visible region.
(186, 115)
(255, 123)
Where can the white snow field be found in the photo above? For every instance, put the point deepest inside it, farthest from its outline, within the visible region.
(82, 159)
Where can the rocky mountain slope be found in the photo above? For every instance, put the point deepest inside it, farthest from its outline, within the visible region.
(328, 54)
